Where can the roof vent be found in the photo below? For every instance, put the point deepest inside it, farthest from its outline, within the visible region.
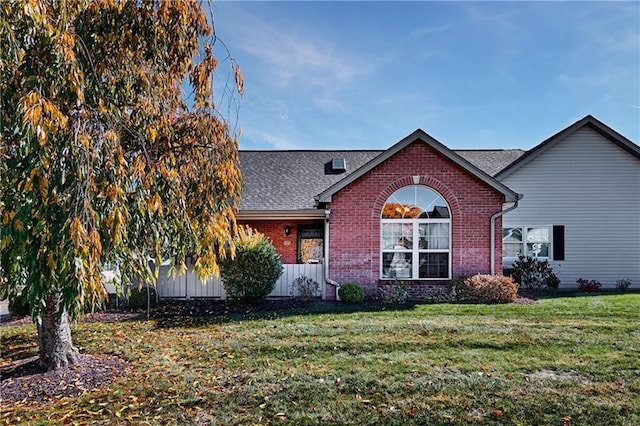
(336, 166)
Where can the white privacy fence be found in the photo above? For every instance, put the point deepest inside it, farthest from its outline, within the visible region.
(187, 286)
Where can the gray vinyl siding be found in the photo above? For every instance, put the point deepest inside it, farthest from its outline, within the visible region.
(592, 187)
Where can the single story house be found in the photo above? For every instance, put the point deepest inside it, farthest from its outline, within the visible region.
(421, 213)
(417, 212)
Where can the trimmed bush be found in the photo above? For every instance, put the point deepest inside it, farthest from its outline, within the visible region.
(623, 284)
(252, 274)
(588, 286)
(351, 293)
(487, 289)
(138, 298)
(534, 274)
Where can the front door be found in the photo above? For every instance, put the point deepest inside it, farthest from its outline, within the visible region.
(310, 244)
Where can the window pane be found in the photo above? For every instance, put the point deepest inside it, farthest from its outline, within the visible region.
(413, 202)
(434, 236)
(311, 250)
(432, 204)
(512, 235)
(434, 265)
(511, 249)
(397, 236)
(538, 235)
(538, 249)
(396, 265)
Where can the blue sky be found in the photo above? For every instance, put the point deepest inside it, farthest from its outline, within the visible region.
(362, 75)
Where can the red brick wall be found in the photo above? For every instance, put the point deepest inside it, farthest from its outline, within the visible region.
(355, 215)
(286, 246)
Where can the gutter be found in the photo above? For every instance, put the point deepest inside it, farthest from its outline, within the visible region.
(493, 230)
(328, 280)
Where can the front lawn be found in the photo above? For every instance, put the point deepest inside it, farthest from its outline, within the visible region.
(561, 361)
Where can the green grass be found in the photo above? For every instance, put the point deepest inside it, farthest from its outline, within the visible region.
(562, 361)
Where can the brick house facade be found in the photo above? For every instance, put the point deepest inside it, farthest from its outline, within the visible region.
(356, 213)
(348, 212)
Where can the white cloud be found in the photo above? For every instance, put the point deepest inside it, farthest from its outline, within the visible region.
(277, 142)
(422, 31)
(293, 57)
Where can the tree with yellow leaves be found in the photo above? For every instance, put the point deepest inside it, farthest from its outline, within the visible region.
(101, 158)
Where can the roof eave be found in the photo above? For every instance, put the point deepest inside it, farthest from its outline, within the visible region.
(588, 121)
(303, 214)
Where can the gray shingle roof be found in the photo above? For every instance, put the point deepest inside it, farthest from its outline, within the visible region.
(289, 180)
(490, 161)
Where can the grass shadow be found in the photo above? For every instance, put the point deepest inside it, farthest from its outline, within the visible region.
(202, 313)
(18, 347)
(577, 293)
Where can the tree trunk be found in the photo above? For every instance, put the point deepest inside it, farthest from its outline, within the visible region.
(54, 337)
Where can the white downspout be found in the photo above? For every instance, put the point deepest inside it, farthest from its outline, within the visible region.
(328, 280)
(493, 231)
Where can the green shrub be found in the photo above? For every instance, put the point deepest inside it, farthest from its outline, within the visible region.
(623, 284)
(588, 286)
(138, 298)
(534, 274)
(252, 274)
(443, 295)
(351, 293)
(487, 289)
(398, 294)
(305, 288)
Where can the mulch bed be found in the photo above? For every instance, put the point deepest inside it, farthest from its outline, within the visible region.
(26, 382)
(217, 308)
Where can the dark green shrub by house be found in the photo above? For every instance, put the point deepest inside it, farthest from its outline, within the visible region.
(252, 274)
(351, 293)
(534, 274)
(487, 289)
(138, 298)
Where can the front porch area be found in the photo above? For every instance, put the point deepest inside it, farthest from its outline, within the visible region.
(188, 286)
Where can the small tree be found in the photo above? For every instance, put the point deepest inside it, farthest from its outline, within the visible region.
(101, 159)
(252, 273)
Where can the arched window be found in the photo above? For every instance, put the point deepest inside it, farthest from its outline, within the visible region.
(415, 235)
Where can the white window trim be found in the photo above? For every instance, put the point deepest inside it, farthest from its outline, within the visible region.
(524, 230)
(415, 252)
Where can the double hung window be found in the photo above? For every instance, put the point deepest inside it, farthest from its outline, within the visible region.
(416, 235)
(528, 241)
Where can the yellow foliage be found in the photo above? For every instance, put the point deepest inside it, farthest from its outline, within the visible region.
(7, 217)
(77, 232)
(136, 171)
(18, 225)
